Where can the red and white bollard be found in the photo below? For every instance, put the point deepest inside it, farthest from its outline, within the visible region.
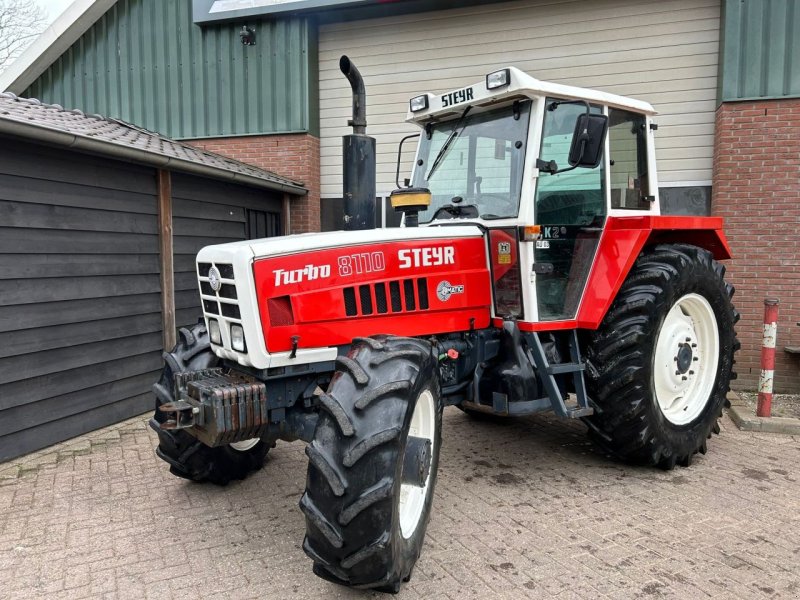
(767, 357)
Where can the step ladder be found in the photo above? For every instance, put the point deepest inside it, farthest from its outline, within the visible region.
(547, 373)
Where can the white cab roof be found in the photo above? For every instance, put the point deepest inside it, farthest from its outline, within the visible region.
(521, 84)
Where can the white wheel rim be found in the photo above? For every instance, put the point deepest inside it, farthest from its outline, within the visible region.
(412, 497)
(686, 359)
(245, 445)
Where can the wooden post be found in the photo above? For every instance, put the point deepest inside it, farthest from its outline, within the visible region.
(286, 225)
(166, 258)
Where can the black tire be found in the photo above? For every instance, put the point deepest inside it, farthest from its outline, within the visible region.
(353, 532)
(188, 457)
(628, 422)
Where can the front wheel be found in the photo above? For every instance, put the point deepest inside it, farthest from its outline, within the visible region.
(372, 464)
(659, 366)
(186, 455)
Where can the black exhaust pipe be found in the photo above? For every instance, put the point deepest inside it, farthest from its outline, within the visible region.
(358, 153)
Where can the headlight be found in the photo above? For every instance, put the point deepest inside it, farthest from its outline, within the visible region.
(237, 338)
(498, 79)
(419, 103)
(214, 332)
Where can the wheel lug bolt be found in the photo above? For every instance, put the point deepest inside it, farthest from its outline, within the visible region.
(694, 345)
(688, 339)
(695, 359)
(684, 378)
(676, 359)
(677, 372)
(691, 372)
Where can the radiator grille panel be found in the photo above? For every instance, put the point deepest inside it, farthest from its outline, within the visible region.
(408, 288)
(350, 307)
(218, 302)
(366, 299)
(380, 298)
(422, 289)
(230, 310)
(413, 297)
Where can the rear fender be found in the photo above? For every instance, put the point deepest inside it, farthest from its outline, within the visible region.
(624, 239)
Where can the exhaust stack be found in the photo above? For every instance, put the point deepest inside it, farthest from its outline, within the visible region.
(358, 153)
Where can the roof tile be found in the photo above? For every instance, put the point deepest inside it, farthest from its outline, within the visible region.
(119, 133)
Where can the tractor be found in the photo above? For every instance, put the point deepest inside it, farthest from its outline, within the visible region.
(533, 272)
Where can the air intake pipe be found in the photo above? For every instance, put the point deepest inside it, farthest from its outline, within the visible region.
(358, 154)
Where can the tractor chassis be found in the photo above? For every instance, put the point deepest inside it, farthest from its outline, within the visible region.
(496, 371)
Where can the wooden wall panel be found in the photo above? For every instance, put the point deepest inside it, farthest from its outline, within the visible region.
(80, 315)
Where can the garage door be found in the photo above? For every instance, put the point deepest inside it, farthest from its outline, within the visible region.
(664, 52)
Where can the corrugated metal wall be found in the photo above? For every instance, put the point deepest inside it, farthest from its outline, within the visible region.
(662, 51)
(761, 49)
(145, 62)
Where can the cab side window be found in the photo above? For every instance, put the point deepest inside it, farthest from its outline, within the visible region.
(627, 136)
(575, 197)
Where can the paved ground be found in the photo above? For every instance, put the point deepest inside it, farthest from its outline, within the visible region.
(525, 509)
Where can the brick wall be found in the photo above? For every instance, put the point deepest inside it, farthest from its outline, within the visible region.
(295, 156)
(757, 190)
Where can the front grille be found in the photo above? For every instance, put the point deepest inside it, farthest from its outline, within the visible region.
(230, 310)
(408, 290)
(222, 302)
(405, 295)
(394, 292)
(380, 298)
(366, 299)
(210, 307)
(227, 291)
(350, 306)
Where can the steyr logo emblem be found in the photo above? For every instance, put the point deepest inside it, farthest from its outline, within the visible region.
(444, 290)
(214, 279)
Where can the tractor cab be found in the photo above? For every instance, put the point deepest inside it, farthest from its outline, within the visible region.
(540, 166)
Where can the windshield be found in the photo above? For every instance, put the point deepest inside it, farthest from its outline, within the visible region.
(473, 165)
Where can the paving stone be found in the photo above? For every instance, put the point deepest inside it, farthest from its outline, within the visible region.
(523, 509)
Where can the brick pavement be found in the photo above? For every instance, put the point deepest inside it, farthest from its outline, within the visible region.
(522, 509)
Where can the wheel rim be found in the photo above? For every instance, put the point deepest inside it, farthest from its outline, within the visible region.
(245, 445)
(413, 498)
(686, 359)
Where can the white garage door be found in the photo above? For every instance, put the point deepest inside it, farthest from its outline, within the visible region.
(662, 51)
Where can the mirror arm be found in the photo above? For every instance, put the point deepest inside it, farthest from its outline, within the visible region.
(550, 166)
(400, 154)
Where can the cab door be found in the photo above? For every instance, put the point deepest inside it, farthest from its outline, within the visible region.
(570, 208)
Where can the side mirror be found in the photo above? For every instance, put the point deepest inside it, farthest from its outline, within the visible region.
(588, 140)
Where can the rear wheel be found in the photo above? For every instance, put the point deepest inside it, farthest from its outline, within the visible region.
(188, 457)
(372, 464)
(659, 366)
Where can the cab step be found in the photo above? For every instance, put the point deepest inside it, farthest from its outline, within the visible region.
(547, 373)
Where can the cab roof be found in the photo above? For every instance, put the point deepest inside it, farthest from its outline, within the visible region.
(520, 84)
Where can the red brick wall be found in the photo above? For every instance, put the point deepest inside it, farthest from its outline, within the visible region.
(757, 190)
(294, 156)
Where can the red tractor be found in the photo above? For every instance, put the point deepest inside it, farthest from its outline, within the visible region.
(534, 272)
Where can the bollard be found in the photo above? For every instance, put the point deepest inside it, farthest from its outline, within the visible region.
(767, 358)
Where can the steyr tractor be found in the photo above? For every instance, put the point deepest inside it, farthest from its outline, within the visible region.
(533, 272)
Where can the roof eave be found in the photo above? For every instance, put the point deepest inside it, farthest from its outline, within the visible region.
(54, 137)
(52, 43)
